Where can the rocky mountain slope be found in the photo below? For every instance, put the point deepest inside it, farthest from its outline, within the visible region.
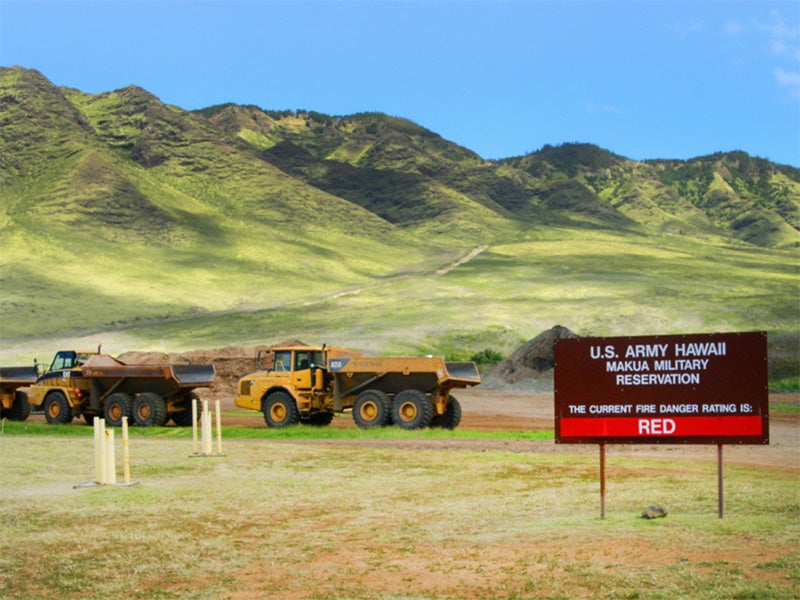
(123, 157)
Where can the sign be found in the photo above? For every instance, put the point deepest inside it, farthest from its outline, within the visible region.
(695, 389)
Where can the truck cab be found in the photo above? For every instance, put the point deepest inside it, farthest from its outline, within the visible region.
(290, 385)
(68, 359)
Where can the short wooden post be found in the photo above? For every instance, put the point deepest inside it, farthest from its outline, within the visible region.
(206, 422)
(219, 426)
(110, 475)
(99, 449)
(126, 453)
(194, 427)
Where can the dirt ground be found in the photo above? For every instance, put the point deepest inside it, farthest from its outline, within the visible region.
(498, 410)
(492, 568)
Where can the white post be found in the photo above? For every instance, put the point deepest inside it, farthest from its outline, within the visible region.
(126, 454)
(110, 475)
(219, 427)
(206, 429)
(194, 426)
(99, 449)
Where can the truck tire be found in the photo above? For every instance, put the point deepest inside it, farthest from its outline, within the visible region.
(57, 409)
(20, 410)
(149, 410)
(117, 406)
(372, 408)
(183, 417)
(411, 409)
(451, 417)
(280, 410)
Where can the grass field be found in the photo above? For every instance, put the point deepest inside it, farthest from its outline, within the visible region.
(594, 283)
(304, 519)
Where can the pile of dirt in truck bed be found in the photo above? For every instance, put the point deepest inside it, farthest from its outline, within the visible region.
(530, 367)
(231, 363)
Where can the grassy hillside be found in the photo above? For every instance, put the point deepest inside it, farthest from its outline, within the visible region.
(135, 223)
(131, 210)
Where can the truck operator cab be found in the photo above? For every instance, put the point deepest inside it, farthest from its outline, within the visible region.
(69, 359)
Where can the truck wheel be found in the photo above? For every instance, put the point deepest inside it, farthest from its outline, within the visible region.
(411, 409)
(372, 409)
(57, 409)
(149, 410)
(20, 410)
(451, 417)
(280, 410)
(117, 406)
(183, 417)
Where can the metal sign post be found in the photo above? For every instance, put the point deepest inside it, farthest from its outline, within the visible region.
(720, 490)
(602, 481)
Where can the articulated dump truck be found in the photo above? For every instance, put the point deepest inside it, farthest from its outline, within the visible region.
(94, 384)
(14, 404)
(303, 384)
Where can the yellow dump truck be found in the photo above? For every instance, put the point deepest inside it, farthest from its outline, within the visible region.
(14, 404)
(94, 384)
(305, 384)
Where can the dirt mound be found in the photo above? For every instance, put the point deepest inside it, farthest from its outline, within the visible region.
(531, 365)
(230, 363)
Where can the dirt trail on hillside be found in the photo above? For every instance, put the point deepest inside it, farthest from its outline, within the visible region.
(461, 261)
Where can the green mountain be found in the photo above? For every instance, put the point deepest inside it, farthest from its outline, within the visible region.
(232, 224)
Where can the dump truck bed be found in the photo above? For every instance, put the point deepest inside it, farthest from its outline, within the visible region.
(464, 372)
(461, 372)
(162, 379)
(18, 376)
(354, 374)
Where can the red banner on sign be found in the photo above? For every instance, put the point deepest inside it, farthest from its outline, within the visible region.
(678, 426)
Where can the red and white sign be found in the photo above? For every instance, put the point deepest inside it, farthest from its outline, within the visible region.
(701, 389)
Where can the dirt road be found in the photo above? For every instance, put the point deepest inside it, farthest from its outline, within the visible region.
(496, 410)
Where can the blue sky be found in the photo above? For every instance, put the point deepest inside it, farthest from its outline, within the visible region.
(644, 79)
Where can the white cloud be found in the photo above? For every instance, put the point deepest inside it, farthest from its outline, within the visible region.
(594, 107)
(783, 42)
(733, 28)
(783, 39)
(688, 28)
(789, 80)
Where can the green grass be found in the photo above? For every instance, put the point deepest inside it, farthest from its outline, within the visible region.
(593, 283)
(299, 432)
(292, 519)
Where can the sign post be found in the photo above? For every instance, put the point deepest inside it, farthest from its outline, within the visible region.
(602, 481)
(673, 389)
(720, 487)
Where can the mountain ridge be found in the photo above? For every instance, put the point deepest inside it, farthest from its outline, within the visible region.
(407, 175)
